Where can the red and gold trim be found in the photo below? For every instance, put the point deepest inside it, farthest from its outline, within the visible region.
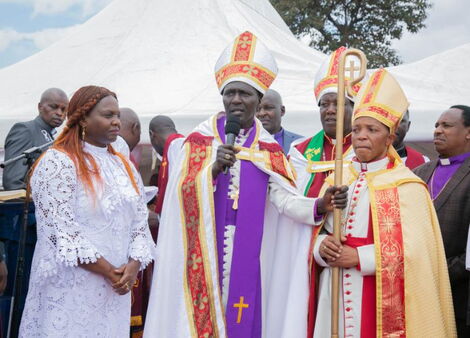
(386, 115)
(373, 86)
(332, 81)
(197, 287)
(262, 76)
(334, 61)
(278, 160)
(244, 47)
(382, 99)
(136, 320)
(331, 78)
(390, 273)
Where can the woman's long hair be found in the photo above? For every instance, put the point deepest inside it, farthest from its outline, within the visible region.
(69, 142)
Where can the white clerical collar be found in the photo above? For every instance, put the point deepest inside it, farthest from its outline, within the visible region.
(454, 159)
(444, 161)
(245, 132)
(370, 166)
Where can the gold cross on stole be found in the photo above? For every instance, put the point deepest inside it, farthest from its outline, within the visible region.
(235, 197)
(240, 307)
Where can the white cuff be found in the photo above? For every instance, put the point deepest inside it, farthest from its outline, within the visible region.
(293, 205)
(367, 259)
(316, 251)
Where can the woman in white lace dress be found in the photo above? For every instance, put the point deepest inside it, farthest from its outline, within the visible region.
(92, 228)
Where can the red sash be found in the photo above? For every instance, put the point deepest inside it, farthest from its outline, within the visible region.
(368, 312)
(368, 308)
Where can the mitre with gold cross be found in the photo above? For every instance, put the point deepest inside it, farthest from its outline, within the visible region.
(326, 79)
(247, 60)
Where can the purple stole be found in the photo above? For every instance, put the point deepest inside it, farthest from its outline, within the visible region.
(243, 313)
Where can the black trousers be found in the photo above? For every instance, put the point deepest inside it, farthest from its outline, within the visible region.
(463, 331)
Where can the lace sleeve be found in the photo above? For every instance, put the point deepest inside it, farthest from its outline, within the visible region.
(54, 189)
(142, 247)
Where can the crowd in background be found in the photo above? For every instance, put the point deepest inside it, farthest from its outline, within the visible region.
(97, 224)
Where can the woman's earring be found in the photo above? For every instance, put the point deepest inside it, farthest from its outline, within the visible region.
(83, 133)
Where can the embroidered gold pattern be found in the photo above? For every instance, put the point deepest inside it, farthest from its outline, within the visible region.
(392, 263)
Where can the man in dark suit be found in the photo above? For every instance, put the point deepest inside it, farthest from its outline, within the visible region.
(448, 179)
(24, 135)
(270, 113)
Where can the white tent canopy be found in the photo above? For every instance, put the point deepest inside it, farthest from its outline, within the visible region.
(432, 85)
(159, 56)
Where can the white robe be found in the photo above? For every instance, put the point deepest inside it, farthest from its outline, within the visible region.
(65, 300)
(351, 280)
(284, 264)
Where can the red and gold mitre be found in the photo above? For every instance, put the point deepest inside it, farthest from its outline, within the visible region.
(247, 60)
(381, 98)
(326, 79)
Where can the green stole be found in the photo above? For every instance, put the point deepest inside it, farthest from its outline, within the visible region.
(313, 153)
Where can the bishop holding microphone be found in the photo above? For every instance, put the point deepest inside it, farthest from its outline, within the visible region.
(233, 201)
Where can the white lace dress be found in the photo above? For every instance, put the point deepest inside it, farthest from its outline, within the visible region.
(65, 300)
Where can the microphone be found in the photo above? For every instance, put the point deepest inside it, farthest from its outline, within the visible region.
(28, 153)
(232, 129)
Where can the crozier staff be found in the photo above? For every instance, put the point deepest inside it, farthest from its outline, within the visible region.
(390, 240)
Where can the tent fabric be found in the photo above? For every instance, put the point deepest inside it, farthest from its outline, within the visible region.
(159, 57)
(432, 85)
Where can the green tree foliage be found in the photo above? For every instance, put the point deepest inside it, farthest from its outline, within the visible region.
(369, 25)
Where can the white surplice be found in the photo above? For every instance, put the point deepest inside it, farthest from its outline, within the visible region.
(65, 300)
(284, 255)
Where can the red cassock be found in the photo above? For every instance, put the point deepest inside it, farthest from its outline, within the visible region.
(413, 158)
(163, 173)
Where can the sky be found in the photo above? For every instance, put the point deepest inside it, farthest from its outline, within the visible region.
(28, 26)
